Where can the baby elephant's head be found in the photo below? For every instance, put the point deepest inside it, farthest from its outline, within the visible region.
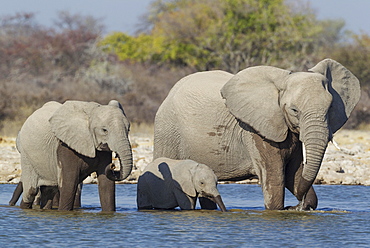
(205, 183)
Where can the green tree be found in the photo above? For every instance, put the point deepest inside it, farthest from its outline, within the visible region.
(226, 34)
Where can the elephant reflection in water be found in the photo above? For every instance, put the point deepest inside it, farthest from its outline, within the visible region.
(167, 184)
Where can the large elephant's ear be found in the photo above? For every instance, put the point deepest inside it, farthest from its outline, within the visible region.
(70, 124)
(183, 179)
(252, 96)
(345, 89)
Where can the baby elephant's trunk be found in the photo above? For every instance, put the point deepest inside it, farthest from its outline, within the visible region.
(220, 203)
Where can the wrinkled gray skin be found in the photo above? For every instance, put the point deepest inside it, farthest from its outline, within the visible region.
(167, 184)
(61, 144)
(256, 122)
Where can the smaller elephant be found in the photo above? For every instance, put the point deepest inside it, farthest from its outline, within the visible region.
(62, 144)
(167, 184)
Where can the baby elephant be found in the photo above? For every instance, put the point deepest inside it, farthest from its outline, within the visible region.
(167, 184)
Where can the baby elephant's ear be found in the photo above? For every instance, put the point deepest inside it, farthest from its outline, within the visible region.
(70, 124)
(183, 179)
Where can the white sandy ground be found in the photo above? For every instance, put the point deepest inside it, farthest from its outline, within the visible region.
(349, 165)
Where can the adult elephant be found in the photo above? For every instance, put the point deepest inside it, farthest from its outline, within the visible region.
(263, 121)
(61, 144)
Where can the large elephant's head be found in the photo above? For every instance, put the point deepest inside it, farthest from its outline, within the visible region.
(88, 126)
(314, 104)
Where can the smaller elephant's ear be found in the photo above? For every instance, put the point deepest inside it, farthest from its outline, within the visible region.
(343, 86)
(183, 178)
(70, 124)
(252, 96)
(116, 103)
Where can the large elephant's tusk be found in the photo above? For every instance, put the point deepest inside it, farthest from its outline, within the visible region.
(304, 154)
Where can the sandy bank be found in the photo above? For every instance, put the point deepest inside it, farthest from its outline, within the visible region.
(349, 165)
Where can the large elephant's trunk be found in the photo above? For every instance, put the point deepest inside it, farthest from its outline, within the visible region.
(124, 155)
(315, 137)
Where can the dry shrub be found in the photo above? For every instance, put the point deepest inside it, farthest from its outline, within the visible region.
(360, 116)
(139, 88)
(152, 84)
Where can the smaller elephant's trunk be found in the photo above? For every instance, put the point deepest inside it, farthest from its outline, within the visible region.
(125, 165)
(220, 203)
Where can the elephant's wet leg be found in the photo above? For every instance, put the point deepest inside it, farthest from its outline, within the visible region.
(206, 203)
(56, 199)
(269, 167)
(47, 195)
(143, 199)
(77, 202)
(29, 183)
(16, 194)
(107, 192)
(68, 192)
(184, 201)
(69, 179)
(272, 182)
(292, 176)
(107, 187)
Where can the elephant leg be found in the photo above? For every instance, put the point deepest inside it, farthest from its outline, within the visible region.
(206, 203)
(29, 182)
(16, 194)
(71, 165)
(56, 199)
(107, 187)
(67, 196)
(273, 188)
(69, 177)
(293, 174)
(68, 189)
(184, 201)
(107, 192)
(47, 195)
(77, 202)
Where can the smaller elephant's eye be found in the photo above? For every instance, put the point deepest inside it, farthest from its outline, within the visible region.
(105, 131)
(294, 111)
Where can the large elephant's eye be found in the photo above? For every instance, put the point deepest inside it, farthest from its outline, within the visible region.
(104, 131)
(294, 111)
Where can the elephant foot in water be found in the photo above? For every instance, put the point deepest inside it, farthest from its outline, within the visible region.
(301, 206)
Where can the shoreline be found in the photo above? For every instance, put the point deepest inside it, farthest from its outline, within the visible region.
(348, 164)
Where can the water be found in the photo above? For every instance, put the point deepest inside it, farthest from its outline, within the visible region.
(342, 220)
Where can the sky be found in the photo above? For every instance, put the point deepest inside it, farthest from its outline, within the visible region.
(124, 15)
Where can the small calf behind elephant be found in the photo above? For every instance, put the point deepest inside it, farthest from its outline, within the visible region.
(166, 184)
